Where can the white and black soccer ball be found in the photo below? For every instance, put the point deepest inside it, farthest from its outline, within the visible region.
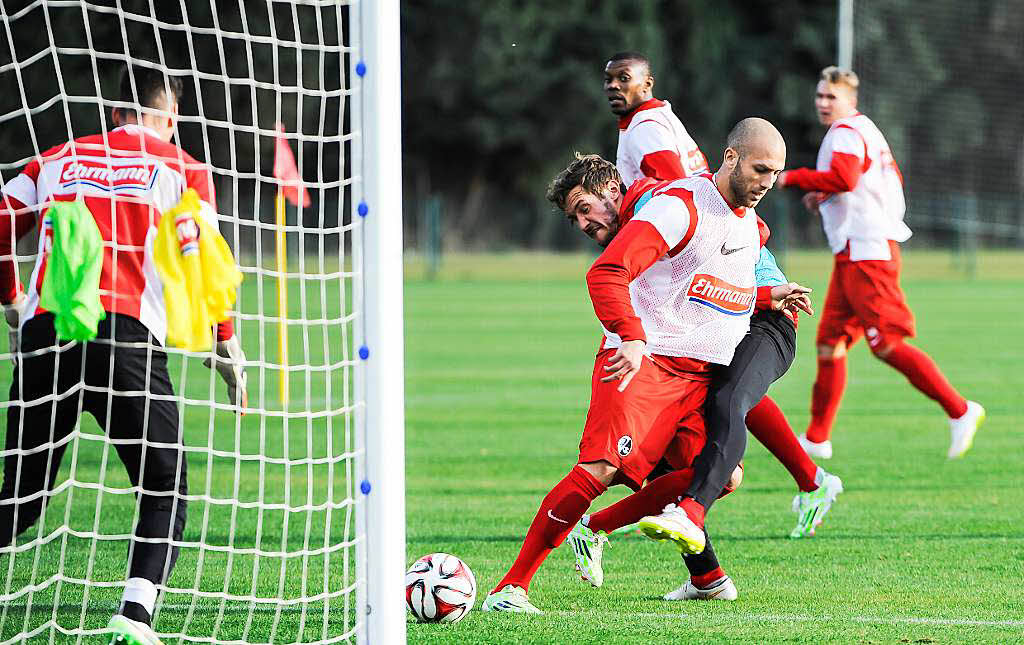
(439, 588)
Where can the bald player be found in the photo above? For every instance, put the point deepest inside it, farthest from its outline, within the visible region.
(690, 247)
(655, 145)
(756, 145)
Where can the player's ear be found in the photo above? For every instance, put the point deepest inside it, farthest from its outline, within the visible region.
(730, 158)
(613, 188)
(115, 117)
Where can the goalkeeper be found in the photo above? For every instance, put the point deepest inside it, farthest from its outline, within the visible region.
(124, 179)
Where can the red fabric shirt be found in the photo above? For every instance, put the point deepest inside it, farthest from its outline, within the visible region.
(126, 178)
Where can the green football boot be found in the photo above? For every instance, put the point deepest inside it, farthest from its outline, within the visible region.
(588, 547)
(810, 508)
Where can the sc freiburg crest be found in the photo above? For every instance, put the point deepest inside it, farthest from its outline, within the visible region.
(625, 445)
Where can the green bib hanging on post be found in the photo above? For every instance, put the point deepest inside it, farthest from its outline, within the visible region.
(71, 283)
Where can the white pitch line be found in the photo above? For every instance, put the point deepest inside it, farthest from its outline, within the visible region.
(798, 618)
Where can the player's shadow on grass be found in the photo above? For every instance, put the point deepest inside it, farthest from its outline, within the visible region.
(444, 539)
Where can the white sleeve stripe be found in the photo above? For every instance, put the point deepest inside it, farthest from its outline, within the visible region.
(848, 141)
(652, 136)
(668, 216)
(22, 188)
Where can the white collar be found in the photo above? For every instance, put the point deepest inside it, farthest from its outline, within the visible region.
(135, 128)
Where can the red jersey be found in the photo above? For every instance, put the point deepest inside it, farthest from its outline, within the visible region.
(127, 178)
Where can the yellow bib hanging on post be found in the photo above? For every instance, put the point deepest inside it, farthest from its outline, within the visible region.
(199, 274)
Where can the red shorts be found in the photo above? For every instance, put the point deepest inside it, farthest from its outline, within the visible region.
(865, 298)
(660, 414)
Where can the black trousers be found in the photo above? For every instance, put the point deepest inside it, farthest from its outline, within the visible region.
(50, 389)
(761, 358)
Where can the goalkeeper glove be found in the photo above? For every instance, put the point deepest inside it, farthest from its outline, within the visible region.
(229, 359)
(12, 312)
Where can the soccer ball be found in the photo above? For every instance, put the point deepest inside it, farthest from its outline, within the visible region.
(439, 588)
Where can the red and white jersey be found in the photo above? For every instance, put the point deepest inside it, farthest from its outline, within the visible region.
(653, 143)
(688, 259)
(127, 178)
(865, 205)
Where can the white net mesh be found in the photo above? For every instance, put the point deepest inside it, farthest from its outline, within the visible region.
(941, 80)
(268, 552)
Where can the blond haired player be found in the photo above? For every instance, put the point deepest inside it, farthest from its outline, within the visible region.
(858, 191)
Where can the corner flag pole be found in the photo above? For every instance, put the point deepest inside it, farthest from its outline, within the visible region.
(282, 296)
(288, 188)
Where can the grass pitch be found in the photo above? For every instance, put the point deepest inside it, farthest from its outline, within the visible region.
(918, 548)
(269, 539)
(499, 351)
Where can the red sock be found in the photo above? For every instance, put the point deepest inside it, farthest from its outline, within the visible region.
(649, 500)
(559, 512)
(825, 397)
(694, 510)
(768, 424)
(925, 375)
(704, 581)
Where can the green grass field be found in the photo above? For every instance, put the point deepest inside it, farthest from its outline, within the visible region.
(271, 507)
(917, 550)
(499, 351)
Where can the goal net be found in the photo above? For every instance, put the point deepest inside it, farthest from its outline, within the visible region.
(941, 80)
(295, 511)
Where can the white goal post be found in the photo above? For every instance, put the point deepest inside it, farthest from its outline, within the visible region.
(295, 523)
(384, 551)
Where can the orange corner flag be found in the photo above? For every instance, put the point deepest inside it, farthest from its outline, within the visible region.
(287, 172)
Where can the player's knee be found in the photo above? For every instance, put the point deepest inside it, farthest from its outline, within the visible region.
(831, 352)
(151, 506)
(602, 471)
(882, 344)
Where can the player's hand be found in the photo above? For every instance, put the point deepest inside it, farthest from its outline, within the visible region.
(812, 201)
(793, 297)
(12, 313)
(229, 360)
(625, 363)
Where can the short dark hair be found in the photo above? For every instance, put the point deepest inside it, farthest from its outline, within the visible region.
(589, 171)
(632, 56)
(152, 86)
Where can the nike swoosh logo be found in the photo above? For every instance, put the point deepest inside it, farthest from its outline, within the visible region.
(726, 251)
(555, 518)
